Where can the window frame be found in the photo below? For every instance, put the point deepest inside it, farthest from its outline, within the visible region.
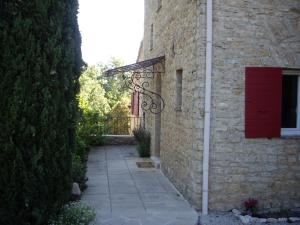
(179, 90)
(151, 37)
(287, 132)
(159, 5)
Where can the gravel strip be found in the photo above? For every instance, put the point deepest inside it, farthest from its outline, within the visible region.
(230, 219)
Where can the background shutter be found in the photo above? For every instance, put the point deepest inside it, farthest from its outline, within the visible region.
(132, 103)
(136, 103)
(263, 102)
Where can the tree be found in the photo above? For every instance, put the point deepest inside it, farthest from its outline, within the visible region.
(100, 93)
(115, 91)
(101, 100)
(40, 63)
(92, 94)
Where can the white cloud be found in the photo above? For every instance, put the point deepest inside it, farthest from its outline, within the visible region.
(111, 28)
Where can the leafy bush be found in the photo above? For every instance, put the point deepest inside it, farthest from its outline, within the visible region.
(40, 63)
(90, 128)
(118, 120)
(78, 171)
(102, 100)
(75, 213)
(143, 137)
(81, 149)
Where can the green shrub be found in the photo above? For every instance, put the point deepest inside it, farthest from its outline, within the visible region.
(118, 119)
(143, 138)
(79, 161)
(90, 128)
(75, 213)
(78, 171)
(40, 63)
(81, 149)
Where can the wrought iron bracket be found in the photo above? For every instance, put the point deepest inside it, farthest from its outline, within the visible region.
(138, 77)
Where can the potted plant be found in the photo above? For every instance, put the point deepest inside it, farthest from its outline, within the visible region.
(143, 138)
(251, 206)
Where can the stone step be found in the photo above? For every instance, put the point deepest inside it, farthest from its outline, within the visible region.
(119, 140)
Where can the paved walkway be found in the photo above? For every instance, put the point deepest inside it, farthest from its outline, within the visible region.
(123, 194)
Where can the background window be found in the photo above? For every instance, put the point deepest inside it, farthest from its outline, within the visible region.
(289, 101)
(290, 111)
(159, 4)
(178, 89)
(151, 37)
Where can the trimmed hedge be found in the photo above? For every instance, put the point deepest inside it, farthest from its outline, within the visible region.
(40, 63)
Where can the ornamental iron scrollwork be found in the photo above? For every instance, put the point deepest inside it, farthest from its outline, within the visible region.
(138, 78)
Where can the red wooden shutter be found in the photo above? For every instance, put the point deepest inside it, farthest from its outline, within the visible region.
(263, 102)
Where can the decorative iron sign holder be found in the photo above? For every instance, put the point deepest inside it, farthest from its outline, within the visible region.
(138, 77)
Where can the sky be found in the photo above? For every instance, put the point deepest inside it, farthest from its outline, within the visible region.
(110, 28)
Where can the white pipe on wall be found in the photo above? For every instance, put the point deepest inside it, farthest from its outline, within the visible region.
(207, 106)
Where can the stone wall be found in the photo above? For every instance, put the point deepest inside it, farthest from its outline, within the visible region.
(246, 33)
(251, 33)
(175, 35)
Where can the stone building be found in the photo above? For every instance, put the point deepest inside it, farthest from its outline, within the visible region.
(230, 128)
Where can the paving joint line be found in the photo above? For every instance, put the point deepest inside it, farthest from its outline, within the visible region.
(109, 193)
(160, 183)
(135, 185)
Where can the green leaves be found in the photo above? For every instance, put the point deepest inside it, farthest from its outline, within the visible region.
(40, 64)
(100, 99)
(75, 213)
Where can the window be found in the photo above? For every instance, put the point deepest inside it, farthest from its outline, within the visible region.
(159, 5)
(151, 37)
(272, 102)
(178, 90)
(290, 111)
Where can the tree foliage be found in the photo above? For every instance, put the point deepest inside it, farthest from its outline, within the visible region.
(115, 91)
(40, 63)
(92, 94)
(101, 98)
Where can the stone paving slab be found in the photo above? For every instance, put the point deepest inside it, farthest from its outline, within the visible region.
(122, 193)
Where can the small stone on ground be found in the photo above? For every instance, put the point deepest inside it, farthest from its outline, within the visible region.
(230, 219)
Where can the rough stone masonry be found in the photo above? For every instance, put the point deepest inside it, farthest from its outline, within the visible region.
(245, 33)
